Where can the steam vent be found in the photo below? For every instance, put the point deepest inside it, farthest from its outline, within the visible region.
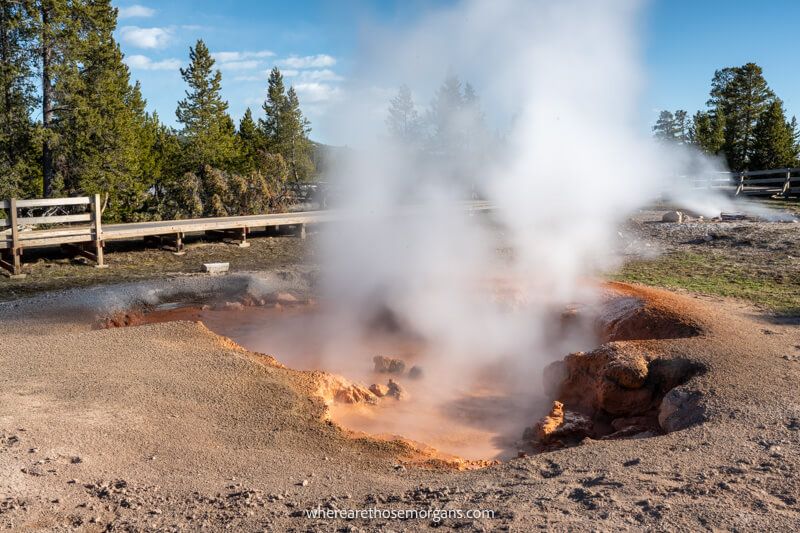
(473, 266)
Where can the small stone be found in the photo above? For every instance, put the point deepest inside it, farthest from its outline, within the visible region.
(216, 268)
(304, 483)
(415, 372)
(672, 216)
(285, 298)
(395, 390)
(379, 390)
(388, 365)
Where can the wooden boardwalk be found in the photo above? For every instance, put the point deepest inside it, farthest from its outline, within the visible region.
(84, 233)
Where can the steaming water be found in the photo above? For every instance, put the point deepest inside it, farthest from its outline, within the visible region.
(482, 416)
(564, 161)
(564, 164)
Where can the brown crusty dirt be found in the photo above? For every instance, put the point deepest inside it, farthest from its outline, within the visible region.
(169, 427)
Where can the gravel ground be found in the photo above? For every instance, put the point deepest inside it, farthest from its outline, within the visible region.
(49, 269)
(756, 261)
(168, 427)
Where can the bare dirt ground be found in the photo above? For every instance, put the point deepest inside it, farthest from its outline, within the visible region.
(170, 427)
(50, 270)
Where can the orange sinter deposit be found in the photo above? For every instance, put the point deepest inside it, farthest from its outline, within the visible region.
(389, 384)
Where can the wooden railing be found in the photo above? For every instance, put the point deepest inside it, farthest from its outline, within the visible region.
(89, 224)
(84, 234)
(779, 183)
(776, 182)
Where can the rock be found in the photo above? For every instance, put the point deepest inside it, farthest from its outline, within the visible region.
(630, 372)
(561, 425)
(415, 372)
(549, 423)
(672, 216)
(395, 390)
(336, 389)
(617, 400)
(216, 268)
(285, 298)
(388, 365)
(379, 390)
(611, 377)
(679, 409)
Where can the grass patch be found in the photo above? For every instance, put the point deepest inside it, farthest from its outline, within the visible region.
(776, 288)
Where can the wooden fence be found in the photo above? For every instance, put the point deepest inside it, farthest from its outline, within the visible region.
(16, 239)
(780, 182)
(84, 233)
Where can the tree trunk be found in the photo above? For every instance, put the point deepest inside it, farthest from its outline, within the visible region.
(47, 106)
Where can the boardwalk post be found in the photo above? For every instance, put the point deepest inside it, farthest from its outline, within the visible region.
(97, 230)
(788, 183)
(16, 249)
(179, 244)
(243, 238)
(741, 184)
(302, 231)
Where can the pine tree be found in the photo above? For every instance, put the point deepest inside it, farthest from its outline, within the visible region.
(742, 95)
(208, 131)
(285, 129)
(295, 146)
(250, 141)
(774, 139)
(273, 107)
(403, 121)
(672, 127)
(444, 117)
(707, 131)
(101, 120)
(57, 26)
(19, 168)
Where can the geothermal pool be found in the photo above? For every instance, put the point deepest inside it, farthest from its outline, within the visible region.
(480, 418)
(462, 408)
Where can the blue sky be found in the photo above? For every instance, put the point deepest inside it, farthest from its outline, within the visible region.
(313, 42)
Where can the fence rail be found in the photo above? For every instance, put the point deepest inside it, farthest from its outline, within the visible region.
(84, 234)
(776, 182)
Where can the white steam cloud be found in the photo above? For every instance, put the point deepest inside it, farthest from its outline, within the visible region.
(565, 163)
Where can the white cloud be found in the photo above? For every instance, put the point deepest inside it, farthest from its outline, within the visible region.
(141, 62)
(246, 77)
(313, 92)
(317, 61)
(145, 37)
(290, 73)
(239, 56)
(319, 75)
(135, 11)
(239, 65)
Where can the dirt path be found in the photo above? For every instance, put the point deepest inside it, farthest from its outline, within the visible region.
(166, 426)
